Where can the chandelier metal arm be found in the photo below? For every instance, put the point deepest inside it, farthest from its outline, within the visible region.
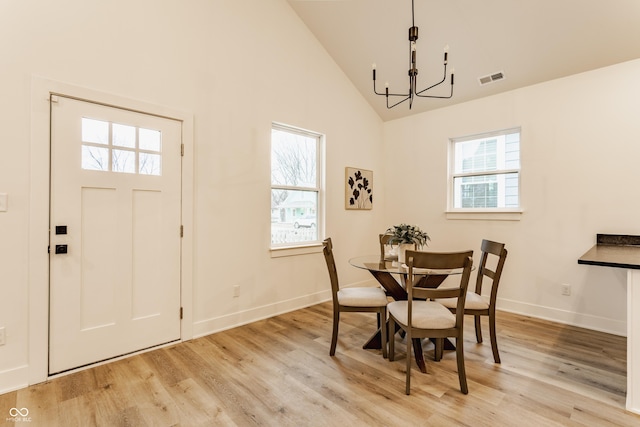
(374, 83)
(408, 97)
(386, 92)
(444, 77)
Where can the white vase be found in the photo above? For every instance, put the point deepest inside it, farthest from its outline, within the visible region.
(402, 249)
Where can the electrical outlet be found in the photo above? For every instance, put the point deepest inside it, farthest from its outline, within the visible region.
(566, 289)
(2, 336)
(236, 291)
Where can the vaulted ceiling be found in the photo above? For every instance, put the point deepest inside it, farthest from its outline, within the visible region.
(530, 41)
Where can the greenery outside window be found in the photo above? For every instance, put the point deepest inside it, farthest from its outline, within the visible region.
(296, 194)
(485, 172)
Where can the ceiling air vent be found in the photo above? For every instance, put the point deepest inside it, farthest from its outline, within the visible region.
(484, 80)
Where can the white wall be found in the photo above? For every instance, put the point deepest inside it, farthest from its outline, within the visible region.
(580, 150)
(236, 66)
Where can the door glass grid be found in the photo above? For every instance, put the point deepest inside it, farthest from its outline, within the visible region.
(115, 147)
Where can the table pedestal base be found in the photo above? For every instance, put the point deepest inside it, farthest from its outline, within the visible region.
(375, 343)
(399, 293)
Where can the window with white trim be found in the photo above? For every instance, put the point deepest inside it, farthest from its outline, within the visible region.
(485, 172)
(296, 194)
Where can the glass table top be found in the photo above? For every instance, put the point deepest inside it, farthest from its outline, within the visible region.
(373, 263)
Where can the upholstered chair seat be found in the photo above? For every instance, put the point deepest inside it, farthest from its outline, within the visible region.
(426, 314)
(361, 299)
(473, 302)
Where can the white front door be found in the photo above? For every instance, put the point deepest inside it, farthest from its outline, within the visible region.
(114, 232)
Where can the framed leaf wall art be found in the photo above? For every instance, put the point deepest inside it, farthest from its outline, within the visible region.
(358, 188)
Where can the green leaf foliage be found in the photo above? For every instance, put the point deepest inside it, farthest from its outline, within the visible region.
(405, 233)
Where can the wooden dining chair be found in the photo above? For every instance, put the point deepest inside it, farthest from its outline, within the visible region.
(352, 299)
(421, 317)
(384, 241)
(475, 305)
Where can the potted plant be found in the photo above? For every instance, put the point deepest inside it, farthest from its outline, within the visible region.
(406, 237)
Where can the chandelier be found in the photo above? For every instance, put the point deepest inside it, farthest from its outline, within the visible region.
(413, 73)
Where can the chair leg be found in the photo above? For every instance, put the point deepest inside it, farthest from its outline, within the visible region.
(494, 339)
(478, 329)
(383, 330)
(334, 335)
(462, 375)
(439, 347)
(409, 346)
(391, 334)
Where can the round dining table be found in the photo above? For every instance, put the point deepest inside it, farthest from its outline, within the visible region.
(385, 272)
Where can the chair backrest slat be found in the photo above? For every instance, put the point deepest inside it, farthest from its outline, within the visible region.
(493, 249)
(327, 250)
(384, 240)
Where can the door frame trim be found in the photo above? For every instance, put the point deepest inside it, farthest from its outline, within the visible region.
(38, 280)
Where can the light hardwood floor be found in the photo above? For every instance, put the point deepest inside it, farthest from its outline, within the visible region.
(278, 372)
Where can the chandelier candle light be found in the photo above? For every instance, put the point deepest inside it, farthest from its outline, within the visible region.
(413, 72)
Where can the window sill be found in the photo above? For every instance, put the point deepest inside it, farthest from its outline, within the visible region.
(482, 214)
(285, 251)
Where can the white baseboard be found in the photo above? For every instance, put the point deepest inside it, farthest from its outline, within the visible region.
(602, 324)
(14, 379)
(217, 324)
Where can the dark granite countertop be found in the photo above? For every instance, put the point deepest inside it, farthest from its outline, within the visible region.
(614, 250)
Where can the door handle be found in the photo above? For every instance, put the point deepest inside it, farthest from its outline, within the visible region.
(61, 249)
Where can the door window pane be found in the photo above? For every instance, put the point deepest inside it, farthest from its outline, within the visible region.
(124, 136)
(124, 161)
(95, 158)
(149, 139)
(96, 131)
